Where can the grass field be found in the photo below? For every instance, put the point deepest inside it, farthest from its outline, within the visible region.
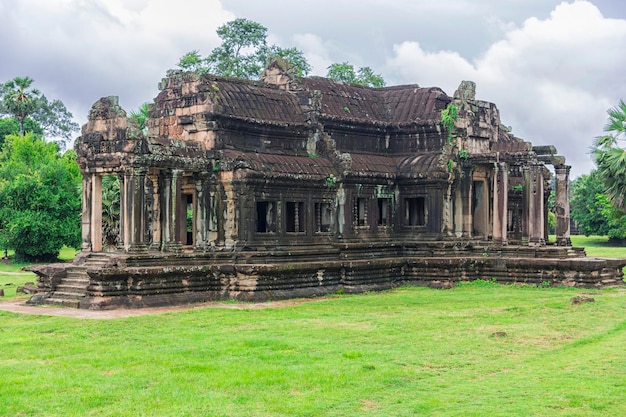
(12, 274)
(479, 349)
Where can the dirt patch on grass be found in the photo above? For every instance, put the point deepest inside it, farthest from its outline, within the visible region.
(19, 306)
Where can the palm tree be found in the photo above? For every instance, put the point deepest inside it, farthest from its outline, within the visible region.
(611, 158)
(141, 116)
(19, 100)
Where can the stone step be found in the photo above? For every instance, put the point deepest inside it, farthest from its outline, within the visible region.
(73, 303)
(78, 290)
(75, 280)
(66, 293)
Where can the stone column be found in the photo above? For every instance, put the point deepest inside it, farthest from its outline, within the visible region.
(448, 215)
(525, 205)
(125, 203)
(202, 211)
(136, 210)
(466, 193)
(535, 206)
(500, 202)
(96, 213)
(171, 197)
(156, 212)
(86, 214)
(562, 205)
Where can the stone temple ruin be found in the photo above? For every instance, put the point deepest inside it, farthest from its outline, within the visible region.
(301, 187)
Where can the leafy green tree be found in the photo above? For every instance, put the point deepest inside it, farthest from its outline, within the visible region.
(238, 55)
(10, 126)
(193, 61)
(345, 73)
(588, 204)
(243, 53)
(298, 66)
(615, 217)
(40, 199)
(610, 158)
(54, 118)
(19, 100)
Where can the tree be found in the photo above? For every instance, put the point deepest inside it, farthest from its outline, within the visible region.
(616, 219)
(298, 66)
(588, 204)
(19, 100)
(243, 53)
(40, 199)
(610, 158)
(141, 116)
(345, 73)
(10, 126)
(238, 55)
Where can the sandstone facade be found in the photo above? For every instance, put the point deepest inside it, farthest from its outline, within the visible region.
(287, 188)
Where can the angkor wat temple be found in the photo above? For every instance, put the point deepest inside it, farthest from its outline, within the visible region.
(301, 187)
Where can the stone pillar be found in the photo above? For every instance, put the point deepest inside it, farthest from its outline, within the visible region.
(86, 214)
(525, 205)
(202, 212)
(500, 202)
(171, 197)
(136, 210)
(125, 203)
(448, 215)
(463, 222)
(535, 206)
(156, 212)
(562, 205)
(96, 213)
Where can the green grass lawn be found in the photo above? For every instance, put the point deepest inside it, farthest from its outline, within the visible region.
(12, 274)
(599, 246)
(479, 349)
(476, 350)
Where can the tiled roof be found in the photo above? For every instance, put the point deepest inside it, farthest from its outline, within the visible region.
(423, 165)
(247, 100)
(398, 104)
(280, 164)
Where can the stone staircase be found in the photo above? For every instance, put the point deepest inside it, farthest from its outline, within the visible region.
(73, 287)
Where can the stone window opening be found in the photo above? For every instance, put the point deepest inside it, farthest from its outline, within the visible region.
(266, 217)
(323, 217)
(189, 218)
(384, 212)
(415, 211)
(360, 212)
(294, 217)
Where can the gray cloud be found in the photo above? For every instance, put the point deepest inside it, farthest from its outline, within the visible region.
(553, 68)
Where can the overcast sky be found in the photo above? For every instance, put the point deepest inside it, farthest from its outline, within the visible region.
(552, 67)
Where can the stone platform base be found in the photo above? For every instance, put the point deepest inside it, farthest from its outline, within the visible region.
(158, 279)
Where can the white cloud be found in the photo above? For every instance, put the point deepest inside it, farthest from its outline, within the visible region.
(316, 52)
(553, 79)
(80, 50)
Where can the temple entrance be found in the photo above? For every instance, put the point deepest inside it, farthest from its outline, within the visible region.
(480, 205)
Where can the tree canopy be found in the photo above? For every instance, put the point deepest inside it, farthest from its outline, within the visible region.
(345, 73)
(243, 53)
(610, 157)
(40, 199)
(593, 211)
(587, 204)
(10, 126)
(19, 100)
